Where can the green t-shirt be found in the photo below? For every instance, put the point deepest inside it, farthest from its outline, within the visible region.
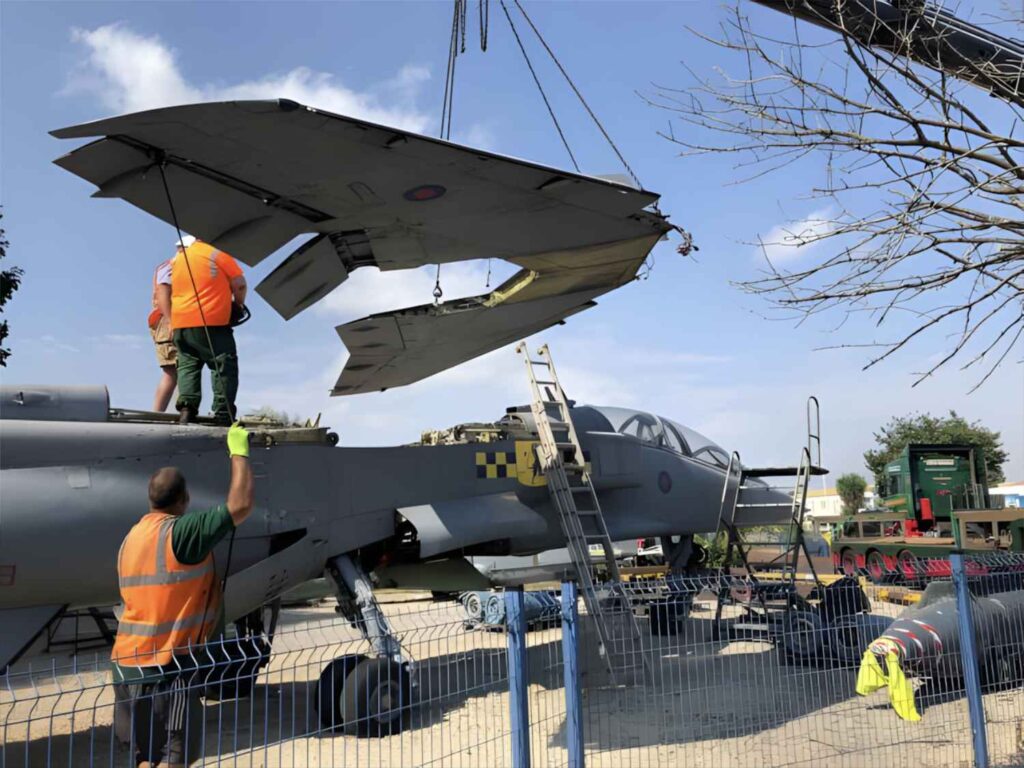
(193, 537)
(195, 534)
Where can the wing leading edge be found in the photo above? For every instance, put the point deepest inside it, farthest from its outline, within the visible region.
(249, 176)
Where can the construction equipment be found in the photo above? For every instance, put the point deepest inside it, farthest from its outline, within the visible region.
(934, 498)
(925, 33)
(563, 463)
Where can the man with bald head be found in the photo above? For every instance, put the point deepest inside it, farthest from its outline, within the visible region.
(172, 606)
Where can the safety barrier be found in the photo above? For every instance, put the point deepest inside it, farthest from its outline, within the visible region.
(731, 677)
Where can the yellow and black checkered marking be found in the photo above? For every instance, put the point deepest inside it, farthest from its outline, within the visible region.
(493, 465)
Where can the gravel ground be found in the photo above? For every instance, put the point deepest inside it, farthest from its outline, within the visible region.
(707, 703)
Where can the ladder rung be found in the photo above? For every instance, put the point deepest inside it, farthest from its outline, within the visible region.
(579, 488)
(539, 362)
(544, 383)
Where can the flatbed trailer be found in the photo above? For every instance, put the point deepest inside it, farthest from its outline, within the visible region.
(892, 554)
(936, 500)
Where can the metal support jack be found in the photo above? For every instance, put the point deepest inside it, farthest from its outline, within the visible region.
(564, 465)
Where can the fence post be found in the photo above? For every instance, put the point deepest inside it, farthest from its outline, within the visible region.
(518, 677)
(571, 667)
(969, 660)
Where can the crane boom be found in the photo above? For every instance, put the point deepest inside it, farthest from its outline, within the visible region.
(926, 34)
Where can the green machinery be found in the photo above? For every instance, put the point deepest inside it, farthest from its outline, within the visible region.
(934, 498)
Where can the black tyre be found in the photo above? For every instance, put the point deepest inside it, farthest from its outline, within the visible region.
(663, 619)
(329, 696)
(377, 698)
(850, 635)
(802, 638)
(698, 558)
(909, 569)
(848, 563)
(876, 568)
(1002, 669)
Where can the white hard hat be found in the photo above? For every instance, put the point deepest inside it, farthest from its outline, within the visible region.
(187, 240)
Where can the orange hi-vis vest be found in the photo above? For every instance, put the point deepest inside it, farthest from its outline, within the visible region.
(212, 270)
(168, 606)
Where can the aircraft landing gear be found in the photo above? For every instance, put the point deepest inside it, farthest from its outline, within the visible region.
(364, 696)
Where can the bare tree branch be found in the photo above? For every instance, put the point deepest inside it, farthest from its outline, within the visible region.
(923, 187)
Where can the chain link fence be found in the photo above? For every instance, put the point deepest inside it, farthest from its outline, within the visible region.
(731, 671)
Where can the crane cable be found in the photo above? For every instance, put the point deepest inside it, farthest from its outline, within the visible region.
(195, 289)
(218, 369)
(579, 95)
(543, 95)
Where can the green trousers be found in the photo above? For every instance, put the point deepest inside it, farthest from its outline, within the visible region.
(193, 353)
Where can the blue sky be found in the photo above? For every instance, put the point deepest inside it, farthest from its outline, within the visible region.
(683, 343)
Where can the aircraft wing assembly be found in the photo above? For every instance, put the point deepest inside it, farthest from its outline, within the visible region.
(251, 176)
(396, 348)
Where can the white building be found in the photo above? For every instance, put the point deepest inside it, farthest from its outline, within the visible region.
(1012, 494)
(826, 502)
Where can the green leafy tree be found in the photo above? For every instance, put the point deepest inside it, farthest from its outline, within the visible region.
(10, 280)
(938, 430)
(851, 489)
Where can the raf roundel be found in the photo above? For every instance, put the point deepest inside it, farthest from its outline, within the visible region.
(424, 192)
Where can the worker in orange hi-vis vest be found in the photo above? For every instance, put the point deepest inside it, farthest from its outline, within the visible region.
(172, 607)
(207, 296)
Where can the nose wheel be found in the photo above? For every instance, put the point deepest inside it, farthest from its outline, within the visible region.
(364, 697)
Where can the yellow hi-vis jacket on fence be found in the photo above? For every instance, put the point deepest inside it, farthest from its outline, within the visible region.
(168, 605)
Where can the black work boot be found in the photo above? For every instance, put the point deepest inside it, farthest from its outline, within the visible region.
(186, 415)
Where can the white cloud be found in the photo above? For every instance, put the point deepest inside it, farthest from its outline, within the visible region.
(129, 340)
(130, 72)
(369, 290)
(52, 342)
(785, 242)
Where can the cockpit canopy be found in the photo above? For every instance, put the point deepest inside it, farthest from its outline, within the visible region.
(659, 432)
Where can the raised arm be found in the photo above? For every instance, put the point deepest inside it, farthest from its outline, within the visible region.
(240, 496)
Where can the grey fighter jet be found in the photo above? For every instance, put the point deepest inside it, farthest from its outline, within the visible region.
(73, 477)
(249, 176)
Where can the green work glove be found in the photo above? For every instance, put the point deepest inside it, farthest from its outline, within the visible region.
(238, 440)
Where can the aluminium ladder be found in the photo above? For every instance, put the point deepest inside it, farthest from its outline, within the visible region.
(564, 465)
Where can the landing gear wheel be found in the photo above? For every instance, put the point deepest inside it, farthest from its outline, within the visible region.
(377, 698)
(330, 690)
(877, 571)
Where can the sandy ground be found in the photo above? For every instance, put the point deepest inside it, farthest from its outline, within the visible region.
(706, 704)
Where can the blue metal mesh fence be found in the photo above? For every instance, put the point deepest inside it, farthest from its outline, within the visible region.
(734, 672)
